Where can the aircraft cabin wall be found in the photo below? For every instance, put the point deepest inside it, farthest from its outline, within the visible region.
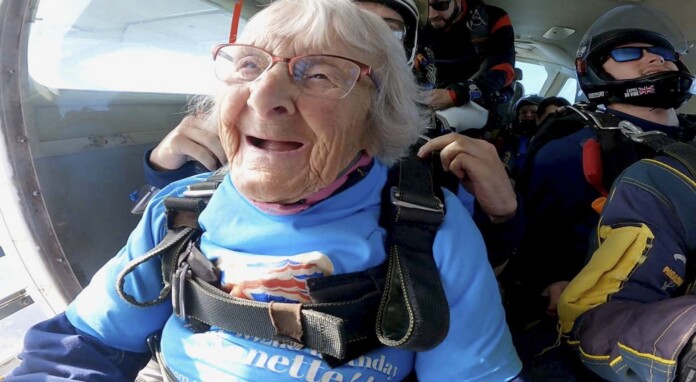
(88, 152)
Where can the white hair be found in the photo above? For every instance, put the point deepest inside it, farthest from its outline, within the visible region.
(395, 114)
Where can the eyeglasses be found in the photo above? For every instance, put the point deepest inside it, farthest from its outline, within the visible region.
(397, 27)
(318, 75)
(440, 5)
(633, 53)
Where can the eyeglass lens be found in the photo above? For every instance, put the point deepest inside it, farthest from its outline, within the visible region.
(317, 75)
(632, 53)
(440, 5)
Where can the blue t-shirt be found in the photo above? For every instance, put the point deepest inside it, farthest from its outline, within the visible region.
(268, 257)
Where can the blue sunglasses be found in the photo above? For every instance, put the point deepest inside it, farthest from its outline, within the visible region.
(632, 53)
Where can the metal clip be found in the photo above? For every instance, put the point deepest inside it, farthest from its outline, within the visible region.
(198, 193)
(629, 129)
(635, 133)
(397, 201)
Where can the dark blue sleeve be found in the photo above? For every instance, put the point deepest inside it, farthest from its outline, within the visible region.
(160, 179)
(55, 351)
(501, 239)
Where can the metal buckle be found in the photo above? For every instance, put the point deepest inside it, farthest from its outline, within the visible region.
(632, 132)
(396, 200)
(198, 193)
(635, 133)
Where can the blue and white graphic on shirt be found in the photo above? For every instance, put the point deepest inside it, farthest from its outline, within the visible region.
(345, 229)
(268, 278)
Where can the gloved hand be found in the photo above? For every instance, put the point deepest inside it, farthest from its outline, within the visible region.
(465, 92)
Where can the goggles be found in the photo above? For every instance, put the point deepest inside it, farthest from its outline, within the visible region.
(440, 6)
(397, 27)
(633, 53)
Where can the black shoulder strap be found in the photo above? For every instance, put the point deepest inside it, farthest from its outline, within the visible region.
(414, 313)
(182, 230)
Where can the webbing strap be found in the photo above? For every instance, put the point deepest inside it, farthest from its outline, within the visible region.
(173, 243)
(684, 153)
(413, 313)
(323, 330)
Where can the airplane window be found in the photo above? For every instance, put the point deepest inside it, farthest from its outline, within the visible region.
(128, 45)
(569, 90)
(533, 78)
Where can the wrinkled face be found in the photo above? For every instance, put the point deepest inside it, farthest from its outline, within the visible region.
(527, 113)
(282, 144)
(648, 64)
(441, 13)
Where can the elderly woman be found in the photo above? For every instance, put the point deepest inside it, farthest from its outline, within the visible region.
(318, 101)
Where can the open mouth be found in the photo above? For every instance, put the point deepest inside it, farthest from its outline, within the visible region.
(265, 144)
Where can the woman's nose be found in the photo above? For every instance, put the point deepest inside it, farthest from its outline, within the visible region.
(274, 93)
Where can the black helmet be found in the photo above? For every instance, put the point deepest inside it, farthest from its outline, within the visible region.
(528, 126)
(414, 13)
(526, 100)
(660, 90)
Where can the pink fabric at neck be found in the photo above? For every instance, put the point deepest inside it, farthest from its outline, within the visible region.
(293, 208)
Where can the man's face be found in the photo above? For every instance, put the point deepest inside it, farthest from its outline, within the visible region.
(649, 63)
(439, 12)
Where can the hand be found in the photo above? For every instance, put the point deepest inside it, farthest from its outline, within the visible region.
(440, 99)
(190, 140)
(554, 292)
(475, 162)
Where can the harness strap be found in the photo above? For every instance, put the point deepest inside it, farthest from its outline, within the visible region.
(174, 242)
(685, 154)
(321, 327)
(183, 229)
(413, 313)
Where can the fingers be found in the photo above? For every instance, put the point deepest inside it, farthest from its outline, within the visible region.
(555, 291)
(438, 143)
(202, 155)
(477, 165)
(482, 153)
(196, 131)
(191, 139)
(453, 145)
